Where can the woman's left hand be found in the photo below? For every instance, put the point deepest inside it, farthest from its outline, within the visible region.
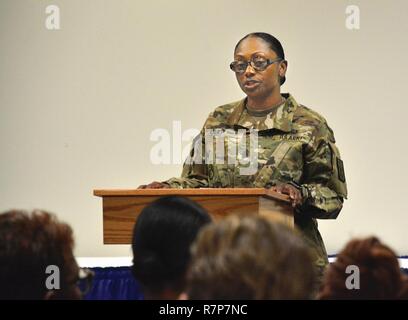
(294, 193)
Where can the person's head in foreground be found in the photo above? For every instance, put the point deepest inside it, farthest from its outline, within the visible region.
(162, 237)
(365, 269)
(29, 244)
(249, 258)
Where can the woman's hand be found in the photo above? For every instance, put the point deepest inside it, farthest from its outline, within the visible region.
(294, 193)
(154, 185)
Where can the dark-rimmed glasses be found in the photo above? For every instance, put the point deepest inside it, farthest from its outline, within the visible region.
(257, 63)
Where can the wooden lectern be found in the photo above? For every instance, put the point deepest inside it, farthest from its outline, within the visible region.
(122, 207)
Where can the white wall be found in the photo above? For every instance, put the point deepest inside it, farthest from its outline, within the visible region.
(77, 105)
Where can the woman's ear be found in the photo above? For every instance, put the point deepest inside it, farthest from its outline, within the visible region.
(183, 296)
(283, 66)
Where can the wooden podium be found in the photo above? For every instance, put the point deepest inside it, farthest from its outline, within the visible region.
(122, 207)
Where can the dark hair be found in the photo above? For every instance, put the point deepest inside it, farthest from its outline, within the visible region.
(162, 237)
(250, 258)
(29, 243)
(273, 43)
(379, 273)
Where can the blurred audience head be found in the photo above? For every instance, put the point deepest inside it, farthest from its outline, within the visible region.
(365, 269)
(162, 237)
(29, 244)
(250, 258)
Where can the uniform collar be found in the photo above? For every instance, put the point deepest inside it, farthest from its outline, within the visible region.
(281, 119)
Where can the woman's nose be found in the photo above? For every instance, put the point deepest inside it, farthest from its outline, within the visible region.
(249, 70)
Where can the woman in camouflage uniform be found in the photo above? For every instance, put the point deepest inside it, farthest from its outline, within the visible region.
(296, 152)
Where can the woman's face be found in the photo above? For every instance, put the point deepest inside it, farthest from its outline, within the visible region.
(258, 84)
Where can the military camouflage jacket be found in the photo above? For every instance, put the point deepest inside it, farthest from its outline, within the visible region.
(293, 145)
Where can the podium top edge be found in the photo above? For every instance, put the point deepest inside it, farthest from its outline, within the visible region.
(190, 192)
(170, 191)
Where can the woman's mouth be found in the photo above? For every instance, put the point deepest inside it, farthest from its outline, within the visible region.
(250, 84)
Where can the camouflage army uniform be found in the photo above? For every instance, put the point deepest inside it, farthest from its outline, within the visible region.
(295, 145)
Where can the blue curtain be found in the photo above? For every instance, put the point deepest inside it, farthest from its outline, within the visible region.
(113, 284)
(117, 283)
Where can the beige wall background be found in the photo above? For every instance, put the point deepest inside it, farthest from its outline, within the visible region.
(77, 105)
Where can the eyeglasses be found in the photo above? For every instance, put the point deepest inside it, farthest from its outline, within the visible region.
(257, 63)
(85, 279)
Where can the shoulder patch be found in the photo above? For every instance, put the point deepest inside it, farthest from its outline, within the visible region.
(340, 170)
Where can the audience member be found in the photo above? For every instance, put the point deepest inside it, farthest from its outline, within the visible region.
(29, 244)
(250, 258)
(365, 269)
(162, 237)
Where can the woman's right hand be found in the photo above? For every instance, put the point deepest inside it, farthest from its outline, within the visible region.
(154, 185)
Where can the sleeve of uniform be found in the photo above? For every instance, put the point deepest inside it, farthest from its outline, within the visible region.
(324, 185)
